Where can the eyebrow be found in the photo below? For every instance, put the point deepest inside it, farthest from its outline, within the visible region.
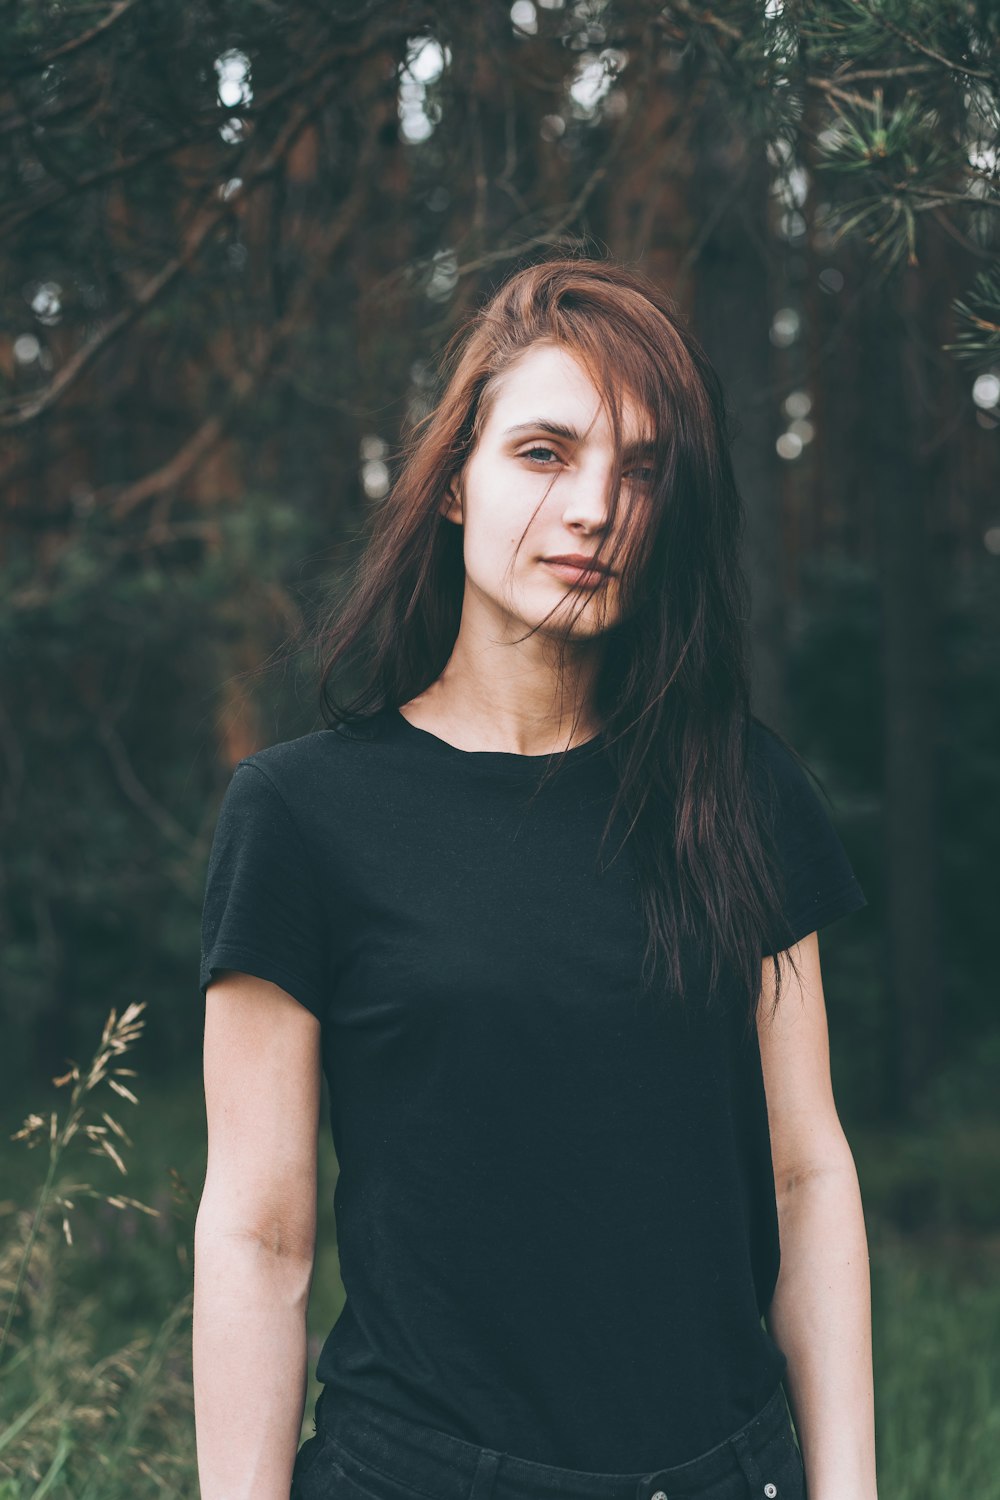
(570, 434)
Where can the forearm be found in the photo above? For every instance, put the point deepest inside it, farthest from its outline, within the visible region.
(249, 1364)
(820, 1317)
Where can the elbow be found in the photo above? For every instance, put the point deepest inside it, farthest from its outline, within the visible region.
(249, 1266)
(276, 1238)
(833, 1164)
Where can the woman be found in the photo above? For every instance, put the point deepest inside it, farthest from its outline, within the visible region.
(523, 901)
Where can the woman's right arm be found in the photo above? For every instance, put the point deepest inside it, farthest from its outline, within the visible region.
(255, 1237)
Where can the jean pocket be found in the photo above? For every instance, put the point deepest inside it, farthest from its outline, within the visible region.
(354, 1478)
(304, 1461)
(781, 1469)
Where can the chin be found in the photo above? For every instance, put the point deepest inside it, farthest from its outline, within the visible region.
(577, 621)
(586, 628)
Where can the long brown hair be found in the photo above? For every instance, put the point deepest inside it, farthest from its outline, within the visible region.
(672, 684)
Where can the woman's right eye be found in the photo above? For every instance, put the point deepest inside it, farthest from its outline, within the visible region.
(645, 472)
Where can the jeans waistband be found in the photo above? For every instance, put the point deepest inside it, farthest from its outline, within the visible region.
(444, 1467)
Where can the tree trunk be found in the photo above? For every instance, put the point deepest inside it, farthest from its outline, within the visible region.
(898, 493)
(732, 313)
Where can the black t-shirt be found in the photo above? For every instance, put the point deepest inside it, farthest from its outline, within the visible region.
(555, 1207)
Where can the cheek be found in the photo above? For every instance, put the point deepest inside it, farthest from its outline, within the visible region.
(493, 535)
(488, 551)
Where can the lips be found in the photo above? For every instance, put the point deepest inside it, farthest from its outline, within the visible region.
(580, 562)
(586, 573)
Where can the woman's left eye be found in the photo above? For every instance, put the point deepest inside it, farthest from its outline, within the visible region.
(529, 451)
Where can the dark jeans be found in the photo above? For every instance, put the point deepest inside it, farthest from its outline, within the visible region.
(381, 1456)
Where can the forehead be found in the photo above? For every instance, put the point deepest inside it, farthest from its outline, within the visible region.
(551, 383)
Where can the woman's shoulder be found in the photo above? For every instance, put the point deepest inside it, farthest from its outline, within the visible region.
(764, 739)
(318, 763)
(819, 881)
(781, 778)
(315, 747)
(770, 754)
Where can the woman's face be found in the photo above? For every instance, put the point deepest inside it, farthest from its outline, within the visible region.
(547, 430)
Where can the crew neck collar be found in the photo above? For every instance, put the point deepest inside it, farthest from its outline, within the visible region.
(501, 760)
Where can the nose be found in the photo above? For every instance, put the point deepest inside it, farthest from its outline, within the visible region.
(584, 497)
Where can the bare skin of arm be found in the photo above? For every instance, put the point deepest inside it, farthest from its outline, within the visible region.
(255, 1237)
(820, 1316)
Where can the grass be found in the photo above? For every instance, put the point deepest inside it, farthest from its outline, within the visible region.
(77, 1419)
(936, 1314)
(95, 1375)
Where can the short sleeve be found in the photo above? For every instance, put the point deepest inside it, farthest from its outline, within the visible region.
(262, 912)
(817, 880)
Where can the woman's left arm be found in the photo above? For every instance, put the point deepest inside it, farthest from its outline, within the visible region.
(820, 1315)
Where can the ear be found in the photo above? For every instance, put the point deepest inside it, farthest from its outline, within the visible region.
(451, 502)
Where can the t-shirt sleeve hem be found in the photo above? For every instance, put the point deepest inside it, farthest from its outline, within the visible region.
(840, 903)
(226, 956)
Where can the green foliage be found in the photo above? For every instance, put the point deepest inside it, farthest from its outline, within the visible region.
(78, 1420)
(959, 32)
(899, 100)
(114, 663)
(935, 1309)
(978, 317)
(929, 1180)
(834, 689)
(910, 164)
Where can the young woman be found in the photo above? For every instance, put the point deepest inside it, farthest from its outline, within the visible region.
(541, 901)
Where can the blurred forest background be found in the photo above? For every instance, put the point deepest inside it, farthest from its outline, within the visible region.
(233, 238)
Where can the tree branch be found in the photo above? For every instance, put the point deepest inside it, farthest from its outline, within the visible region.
(919, 46)
(39, 64)
(246, 382)
(18, 413)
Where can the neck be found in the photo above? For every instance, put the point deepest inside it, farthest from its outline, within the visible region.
(509, 697)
